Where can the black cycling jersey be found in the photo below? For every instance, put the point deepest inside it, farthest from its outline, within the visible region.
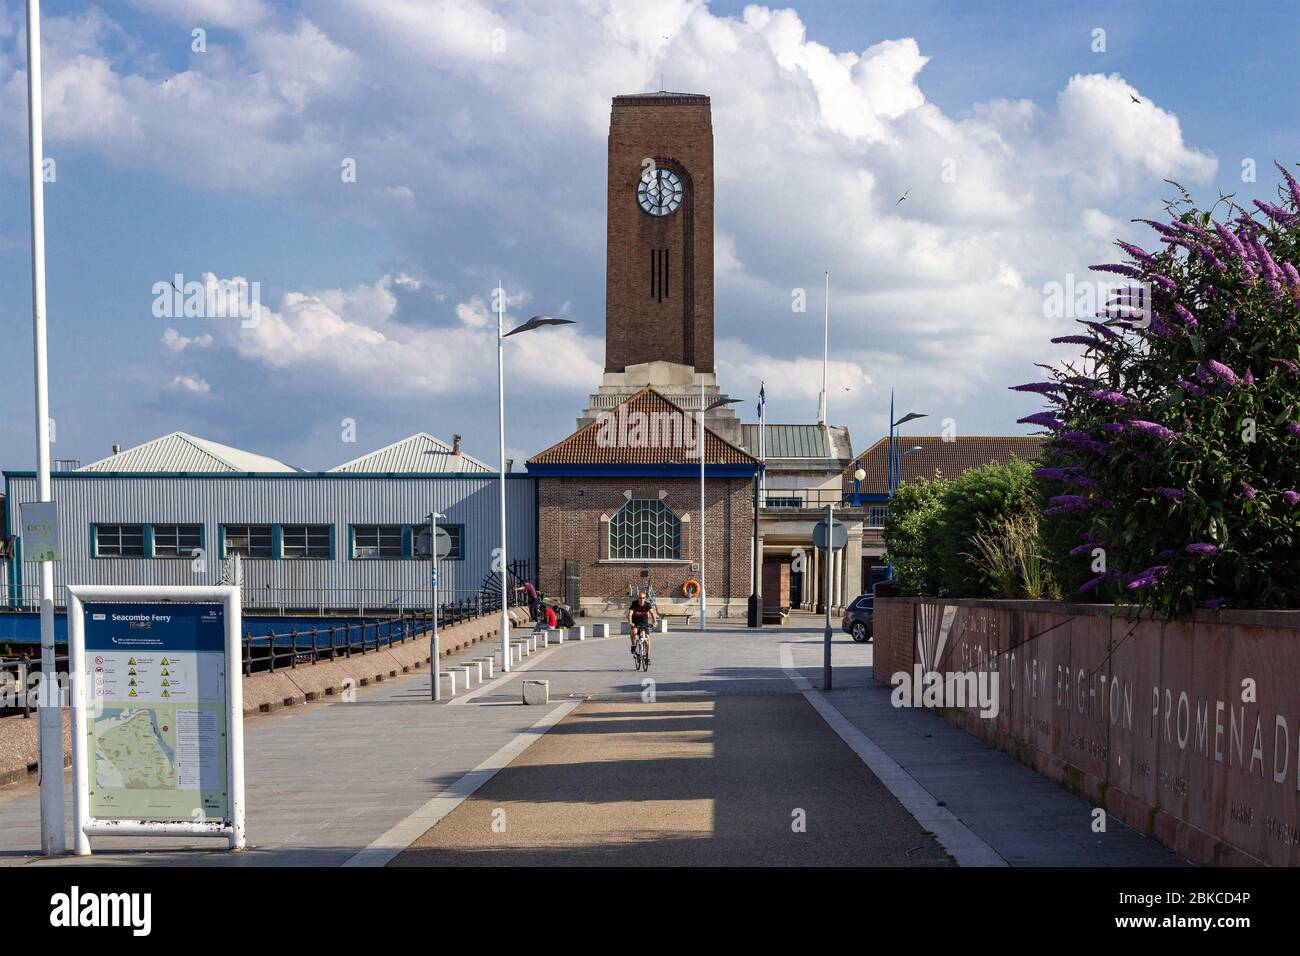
(640, 611)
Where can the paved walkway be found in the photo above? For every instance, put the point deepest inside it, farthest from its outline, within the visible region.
(712, 770)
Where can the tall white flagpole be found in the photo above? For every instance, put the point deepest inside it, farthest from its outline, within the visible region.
(49, 713)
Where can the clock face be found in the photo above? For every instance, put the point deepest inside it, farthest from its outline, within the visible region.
(659, 192)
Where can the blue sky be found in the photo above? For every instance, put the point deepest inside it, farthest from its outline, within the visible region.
(478, 161)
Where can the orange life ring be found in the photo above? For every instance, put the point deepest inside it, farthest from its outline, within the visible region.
(690, 588)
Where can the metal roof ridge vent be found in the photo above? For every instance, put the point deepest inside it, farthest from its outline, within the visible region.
(455, 444)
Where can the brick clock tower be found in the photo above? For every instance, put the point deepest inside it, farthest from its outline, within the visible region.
(659, 255)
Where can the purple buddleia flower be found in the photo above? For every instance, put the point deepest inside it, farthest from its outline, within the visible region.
(1279, 216)
(1293, 427)
(1248, 269)
(1137, 252)
(1231, 244)
(1160, 279)
(1230, 319)
(1109, 397)
(1083, 481)
(1222, 372)
(1085, 340)
(1159, 227)
(1105, 331)
(1088, 585)
(1188, 319)
(1174, 494)
(1291, 273)
(1248, 490)
(1291, 183)
(1058, 474)
(1112, 427)
(1046, 419)
(1118, 268)
(1293, 366)
(1249, 377)
(1191, 388)
(1206, 253)
(1042, 388)
(1291, 497)
(1153, 429)
(1203, 549)
(1148, 577)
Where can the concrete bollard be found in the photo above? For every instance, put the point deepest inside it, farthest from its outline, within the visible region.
(489, 666)
(600, 630)
(473, 671)
(625, 628)
(537, 692)
(578, 633)
(449, 681)
(555, 636)
(663, 625)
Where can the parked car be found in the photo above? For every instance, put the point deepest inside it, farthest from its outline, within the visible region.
(857, 618)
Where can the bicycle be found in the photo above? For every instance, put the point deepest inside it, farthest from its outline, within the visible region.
(641, 651)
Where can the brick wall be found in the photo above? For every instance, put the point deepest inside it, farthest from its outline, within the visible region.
(639, 327)
(570, 528)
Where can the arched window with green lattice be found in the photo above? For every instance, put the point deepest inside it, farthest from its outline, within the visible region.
(645, 530)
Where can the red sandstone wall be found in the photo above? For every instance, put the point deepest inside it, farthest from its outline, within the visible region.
(1152, 720)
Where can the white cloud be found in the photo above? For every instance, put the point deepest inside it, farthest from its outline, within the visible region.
(179, 343)
(192, 384)
(355, 336)
(478, 129)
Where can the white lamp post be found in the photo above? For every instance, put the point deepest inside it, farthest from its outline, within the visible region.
(49, 714)
(716, 403)
(535, 322)
(435, 646)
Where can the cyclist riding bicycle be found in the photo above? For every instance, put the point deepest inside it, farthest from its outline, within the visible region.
(641, 616)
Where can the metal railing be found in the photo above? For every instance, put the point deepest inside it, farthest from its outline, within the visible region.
(291, 647)
(322, 601)
(794, 499)
(267, 652)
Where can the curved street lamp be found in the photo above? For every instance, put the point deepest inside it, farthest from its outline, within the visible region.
(536, 322)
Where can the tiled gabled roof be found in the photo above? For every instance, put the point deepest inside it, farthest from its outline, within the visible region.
(647, 429)
(949, 458)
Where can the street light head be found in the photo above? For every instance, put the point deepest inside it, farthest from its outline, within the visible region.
(910, 417)
(435, 515)
(719, 402)
(914, 448)
(860, 474)
(536, 322)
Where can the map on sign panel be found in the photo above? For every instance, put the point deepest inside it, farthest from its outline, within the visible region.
(157, 729)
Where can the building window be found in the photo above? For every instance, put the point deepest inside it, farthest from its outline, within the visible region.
(376, 541)
(876, 516)
(305, 541)
(645, 530)
(176, 540)
(119, 541)
(247, 541)
(786, 502)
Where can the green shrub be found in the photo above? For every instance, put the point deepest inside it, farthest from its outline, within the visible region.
(978, 501)
(914, 514)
